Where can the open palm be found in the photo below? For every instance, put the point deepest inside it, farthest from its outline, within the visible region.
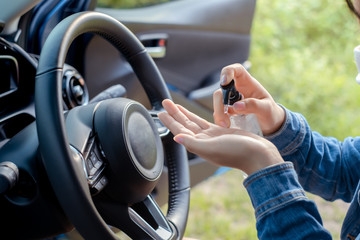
(223, 146)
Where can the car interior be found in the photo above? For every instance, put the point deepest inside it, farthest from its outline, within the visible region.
(81, 83)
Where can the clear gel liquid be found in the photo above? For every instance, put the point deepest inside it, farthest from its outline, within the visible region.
(246, 122)
(226, 109)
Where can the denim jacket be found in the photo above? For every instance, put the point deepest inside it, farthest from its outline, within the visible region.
(320, 165)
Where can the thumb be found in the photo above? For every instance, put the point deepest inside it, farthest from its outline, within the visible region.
(251, 105)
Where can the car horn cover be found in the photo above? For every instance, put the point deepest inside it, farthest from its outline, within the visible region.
(129, 139)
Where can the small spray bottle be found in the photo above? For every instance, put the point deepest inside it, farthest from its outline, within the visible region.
(247, 122)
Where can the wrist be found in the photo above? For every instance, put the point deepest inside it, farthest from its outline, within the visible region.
(264, 158)
(278, 116)
(262, 165)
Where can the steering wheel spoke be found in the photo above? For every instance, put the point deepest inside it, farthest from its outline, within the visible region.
(148, 216)
(142, 220)
(162, 130)
(84, 146)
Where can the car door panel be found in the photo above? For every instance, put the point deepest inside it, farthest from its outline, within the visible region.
(203, 36)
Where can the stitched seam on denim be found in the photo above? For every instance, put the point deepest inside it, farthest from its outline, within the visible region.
(258, 218)
(282, 165)
(354, 231)
(350, 237)
(297, 141)
(268, 173)
(280, 197)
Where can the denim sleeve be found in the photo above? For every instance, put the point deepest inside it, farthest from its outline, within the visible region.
(325, 166)
(281, 208)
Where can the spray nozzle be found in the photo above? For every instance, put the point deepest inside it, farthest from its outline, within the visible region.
(230, 94)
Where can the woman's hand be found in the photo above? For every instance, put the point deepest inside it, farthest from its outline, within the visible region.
(255, 100)
(223, 146)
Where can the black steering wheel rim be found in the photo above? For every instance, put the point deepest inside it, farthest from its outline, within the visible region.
(63, 172)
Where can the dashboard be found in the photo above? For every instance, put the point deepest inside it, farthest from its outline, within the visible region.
(9, 75)
(17, 80)
(17, 84)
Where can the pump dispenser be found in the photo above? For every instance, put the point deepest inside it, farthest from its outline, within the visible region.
(246, 122)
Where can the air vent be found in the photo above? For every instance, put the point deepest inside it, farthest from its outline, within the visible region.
(75, 92)
(9, 75)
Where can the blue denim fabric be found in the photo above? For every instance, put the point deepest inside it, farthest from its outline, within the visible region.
(324, 166)
(281, 208)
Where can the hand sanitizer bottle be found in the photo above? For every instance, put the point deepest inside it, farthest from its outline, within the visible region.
(246, 122)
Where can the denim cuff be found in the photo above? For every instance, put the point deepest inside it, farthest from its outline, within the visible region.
(273, 188)
(291, 134)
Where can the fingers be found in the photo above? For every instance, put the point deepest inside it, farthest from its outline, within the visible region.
(270, 115)
(239, 74)
(256, 99)
(220, 118)
(244, 82)
(250, 105)
(230, 72)
(184, 117)
(180, 117)
(174, 126)
(195, 118)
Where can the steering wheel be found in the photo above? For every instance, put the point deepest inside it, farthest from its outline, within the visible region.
(104, 159)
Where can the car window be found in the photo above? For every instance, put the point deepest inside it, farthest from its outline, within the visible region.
(128, 3)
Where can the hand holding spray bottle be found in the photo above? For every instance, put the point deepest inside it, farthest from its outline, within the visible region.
(246, 122)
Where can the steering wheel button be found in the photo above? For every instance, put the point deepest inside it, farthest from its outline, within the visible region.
(101, 184)
(104, 180)
(98, 186)
(98, 164)
(93, 158)
(92, 171)
(89, 164)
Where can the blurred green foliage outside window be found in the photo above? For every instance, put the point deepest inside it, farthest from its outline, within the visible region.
(128, 3)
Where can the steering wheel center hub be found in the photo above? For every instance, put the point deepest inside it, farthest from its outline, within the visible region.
(130, 142)
(142, 147)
